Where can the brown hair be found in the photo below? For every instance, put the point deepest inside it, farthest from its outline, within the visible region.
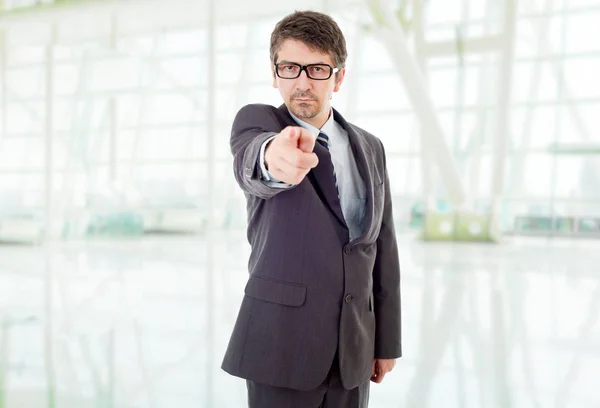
(317, 30)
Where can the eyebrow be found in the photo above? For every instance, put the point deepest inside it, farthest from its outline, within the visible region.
(293, 62)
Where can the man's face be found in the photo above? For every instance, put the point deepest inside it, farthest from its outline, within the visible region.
(308, 99)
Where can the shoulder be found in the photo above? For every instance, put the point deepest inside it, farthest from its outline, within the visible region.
(374, 144)
(373, 141)
(257, 107)
(370, 139)
(259, 115)
(255, 111)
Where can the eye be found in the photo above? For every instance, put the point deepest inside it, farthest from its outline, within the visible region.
(289, 67)
(317, 69)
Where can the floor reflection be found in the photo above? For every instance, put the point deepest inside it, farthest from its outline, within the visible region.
(145, 323)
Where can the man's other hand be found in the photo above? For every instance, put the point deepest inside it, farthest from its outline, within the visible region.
(380, 368)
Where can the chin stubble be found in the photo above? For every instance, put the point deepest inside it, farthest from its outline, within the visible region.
(305, 111)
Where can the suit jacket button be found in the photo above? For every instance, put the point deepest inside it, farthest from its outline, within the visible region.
(348, 298)
(348, 250)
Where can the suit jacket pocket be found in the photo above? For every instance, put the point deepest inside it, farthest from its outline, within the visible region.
(275, 291)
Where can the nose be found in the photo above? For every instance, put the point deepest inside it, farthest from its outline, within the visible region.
(303, 81)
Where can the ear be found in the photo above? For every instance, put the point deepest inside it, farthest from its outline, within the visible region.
(340, 78)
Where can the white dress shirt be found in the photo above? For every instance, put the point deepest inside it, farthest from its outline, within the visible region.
(350, 183)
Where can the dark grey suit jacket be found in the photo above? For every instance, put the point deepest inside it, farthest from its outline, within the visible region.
(311, 291)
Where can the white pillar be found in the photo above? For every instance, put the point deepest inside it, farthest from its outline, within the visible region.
(3, 83)
(112, 110)
(426, 159)
(210, 207)
(504, 101)
(112, 152)
(392, 36)
(49, 221)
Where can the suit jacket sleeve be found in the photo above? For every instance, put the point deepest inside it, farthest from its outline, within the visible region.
(386, 283)
(252, 126)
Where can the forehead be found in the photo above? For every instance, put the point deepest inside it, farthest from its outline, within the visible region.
(297, 51)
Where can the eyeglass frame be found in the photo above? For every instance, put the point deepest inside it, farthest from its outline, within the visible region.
(332, 70)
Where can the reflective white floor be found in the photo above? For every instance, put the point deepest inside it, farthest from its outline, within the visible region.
(144, 324)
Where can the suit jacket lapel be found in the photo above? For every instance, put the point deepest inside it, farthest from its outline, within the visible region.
(363, 155)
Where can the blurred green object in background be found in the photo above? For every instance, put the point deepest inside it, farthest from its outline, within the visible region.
(121, 224)
(457, 226)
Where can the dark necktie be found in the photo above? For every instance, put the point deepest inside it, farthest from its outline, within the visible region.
(323, 140)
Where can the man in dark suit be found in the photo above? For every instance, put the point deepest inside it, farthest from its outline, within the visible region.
(321, 311)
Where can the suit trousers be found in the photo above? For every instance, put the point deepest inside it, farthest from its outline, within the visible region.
(330, 394)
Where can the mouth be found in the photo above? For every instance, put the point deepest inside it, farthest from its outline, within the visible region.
(304, 100)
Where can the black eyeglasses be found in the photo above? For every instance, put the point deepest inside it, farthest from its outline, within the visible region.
(291, 70)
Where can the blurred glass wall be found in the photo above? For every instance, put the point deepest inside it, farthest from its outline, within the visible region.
(115, 121)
